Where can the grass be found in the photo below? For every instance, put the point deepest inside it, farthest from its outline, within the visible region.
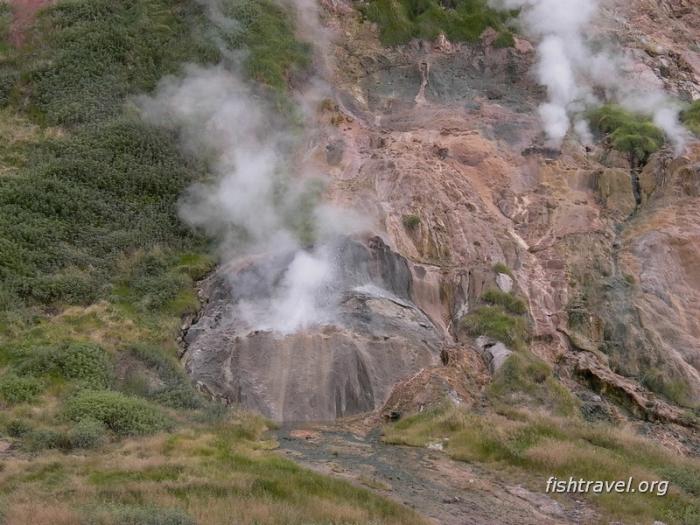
(411, 222)
(629, 133)
(503, 268)
(508, 301)
(541, 446)
(670, 385)
(400, 21)
(220, 474)
(497, 323)
(525, 380)
(691, 117)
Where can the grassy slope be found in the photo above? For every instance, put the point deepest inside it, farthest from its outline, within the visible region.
(96, 272)
(536, 447)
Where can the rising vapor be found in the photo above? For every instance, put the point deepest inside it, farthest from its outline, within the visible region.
(572, 71)
(258, 187)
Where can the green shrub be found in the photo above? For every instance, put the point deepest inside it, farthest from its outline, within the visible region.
(691, 117)
(411, 222)
(177, 390)
(266, 30)
(502, 268)
(509, 301)
(123, 415)
(667, 384)
(86, 363)
(95, 53)
(153, 281)
(137, 515)
(505, 39)
(87, 433)
(461, 20)
(45, 438)
(525, 378)
(629, 133)
(494, 322)
(15, 389)
(17, 428)
(85, 200)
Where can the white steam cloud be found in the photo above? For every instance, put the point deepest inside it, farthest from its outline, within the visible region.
(572, 70)
(258, 183)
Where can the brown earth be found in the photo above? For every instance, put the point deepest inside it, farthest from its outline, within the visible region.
(24, 13)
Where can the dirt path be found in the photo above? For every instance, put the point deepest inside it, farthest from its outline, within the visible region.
(446, 492)
(24, 14)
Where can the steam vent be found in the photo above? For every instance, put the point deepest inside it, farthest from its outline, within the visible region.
(377, 338)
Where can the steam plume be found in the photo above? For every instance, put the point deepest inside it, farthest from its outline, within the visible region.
(256, 191)
(571, 70)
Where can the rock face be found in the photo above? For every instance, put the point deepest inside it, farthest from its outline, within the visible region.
(448, 134)
(377, 338)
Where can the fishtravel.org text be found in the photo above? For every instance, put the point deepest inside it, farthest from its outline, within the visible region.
(628, 486)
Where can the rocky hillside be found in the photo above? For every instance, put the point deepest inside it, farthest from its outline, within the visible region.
(361, 221)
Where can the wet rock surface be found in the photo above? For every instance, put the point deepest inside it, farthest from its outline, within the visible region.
(445, 491)
(346, 366)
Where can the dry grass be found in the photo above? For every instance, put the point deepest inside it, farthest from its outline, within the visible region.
(215, 475)
(539, 446)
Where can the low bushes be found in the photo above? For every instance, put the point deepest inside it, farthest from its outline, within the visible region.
(411, 222)
(137, 515)
(87, 433)
(524, 379)
(123, 415)
(462, 20)
(84, 363)
(15, 389)
(496, 323)
(176, 390)
(691, 117)
(629, 133)
(509, 301)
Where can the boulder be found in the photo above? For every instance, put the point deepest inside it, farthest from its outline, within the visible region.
(494, 352)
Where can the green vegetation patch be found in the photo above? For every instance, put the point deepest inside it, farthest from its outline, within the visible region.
(503, 268)
(266, 31)
(175, 389)
(524, 379)
(509, 301)
(104, 184)
(668, 383)
(124, 415)
(629, 133)
(15, 389)
(411, 222)
(116, 514)
(546, 446)
(460, 20)
(80, 362)
(496, 323)
(691, 117)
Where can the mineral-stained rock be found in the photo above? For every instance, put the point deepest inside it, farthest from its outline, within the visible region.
(617, 192)
(377, 338)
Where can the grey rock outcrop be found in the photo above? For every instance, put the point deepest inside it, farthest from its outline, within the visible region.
(494, 352)
(377, 338)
